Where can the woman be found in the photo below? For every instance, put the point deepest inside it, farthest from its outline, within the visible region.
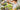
(14, 4)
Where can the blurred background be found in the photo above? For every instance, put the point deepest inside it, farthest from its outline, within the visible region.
(9, 4)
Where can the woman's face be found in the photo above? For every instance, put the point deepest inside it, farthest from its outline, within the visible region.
(13, 1)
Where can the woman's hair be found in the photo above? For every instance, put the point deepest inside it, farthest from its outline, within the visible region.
(15, 0)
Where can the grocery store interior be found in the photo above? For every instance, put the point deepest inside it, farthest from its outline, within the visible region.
(9, 4)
